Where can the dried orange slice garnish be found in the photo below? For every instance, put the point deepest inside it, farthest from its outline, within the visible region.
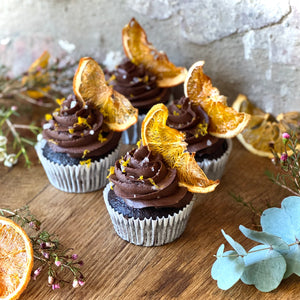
(264, 132)
(16, 259)
(140, 51)
(90, 86)
(36, 77)
(169, 142)
(225, 122)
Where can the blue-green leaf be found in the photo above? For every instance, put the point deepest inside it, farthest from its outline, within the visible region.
(228, 269)
(264, 268)
(220, 250)
(292, 259)
(235, 245)
(285, 221)
(265, 238)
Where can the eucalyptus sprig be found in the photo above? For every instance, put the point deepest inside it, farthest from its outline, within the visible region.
(275, 258)
(49, 254)
(288, 176)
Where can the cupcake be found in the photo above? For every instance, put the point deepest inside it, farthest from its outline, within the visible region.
(211, 153)
(79, 141)
(150, 194)
(144, 77)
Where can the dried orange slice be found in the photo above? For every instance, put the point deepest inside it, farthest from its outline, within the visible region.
(89, 85)
(16, 259)
(225, 122)
(35, 77)
(140, 51)
(170, 143)
(263, 130)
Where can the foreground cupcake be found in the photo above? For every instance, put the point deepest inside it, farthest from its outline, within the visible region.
(81, 137)
(207, 122)
(150, 196)
(145, 76)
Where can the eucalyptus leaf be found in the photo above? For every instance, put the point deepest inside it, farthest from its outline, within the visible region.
(265, 238)
(235, 245)
(285, 221)
(292, 259)
(264, 269)
(220, 250)
(228, 269)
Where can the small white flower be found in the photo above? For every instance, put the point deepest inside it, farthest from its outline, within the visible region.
(39, 137)
(3, 140)
(10, 160)
(2, 154)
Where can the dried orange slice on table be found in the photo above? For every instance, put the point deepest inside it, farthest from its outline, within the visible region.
(16, 259)
(169, 142)
(225, 122)
(90, 86)
(140, 51)
(263, 130)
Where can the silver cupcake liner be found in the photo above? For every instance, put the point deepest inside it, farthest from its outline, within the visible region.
(77, 178)
(148, 232)
(133, 134)
(214, 169)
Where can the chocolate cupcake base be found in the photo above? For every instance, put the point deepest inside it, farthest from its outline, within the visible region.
(77, 178)
(214, 168)
(148, 231)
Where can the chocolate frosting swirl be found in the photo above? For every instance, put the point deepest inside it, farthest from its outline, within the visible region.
(194, 122)
(143, 179)
(77, 129)
(138, 85)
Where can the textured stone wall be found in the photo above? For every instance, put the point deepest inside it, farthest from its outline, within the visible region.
(250, 46)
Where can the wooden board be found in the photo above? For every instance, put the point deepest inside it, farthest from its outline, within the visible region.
(115, 269)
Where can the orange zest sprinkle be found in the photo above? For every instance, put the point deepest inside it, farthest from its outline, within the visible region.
(86, 162)
(48, 117)
(60, 101)
(111, 171)
(101, 139)
(85, 152)
(153, 183)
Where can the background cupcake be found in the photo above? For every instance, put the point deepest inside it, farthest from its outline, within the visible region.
(207, 121)
(211, 152)
(80, 140)
(145, 77)
(150, 195)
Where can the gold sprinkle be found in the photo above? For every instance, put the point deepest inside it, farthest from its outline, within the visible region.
(201, 129)
(71, 130)
(178, 106)
(111, 171)
(175, 113)
(101, 139)
(60, 101)
(139, 142)
(112, 78)
(83, 121)
(85, 152)
(153, 183)
(86, 162)
(48, 117)
(141, 177)
(52, 141)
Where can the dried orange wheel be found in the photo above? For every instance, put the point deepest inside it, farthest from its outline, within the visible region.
(263, 131)
(225, 122)
(169, 142)
(16, 259)
(140, 51)
(90, 86)
(36, 77)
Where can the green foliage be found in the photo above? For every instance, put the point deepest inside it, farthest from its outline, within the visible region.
(276, 257)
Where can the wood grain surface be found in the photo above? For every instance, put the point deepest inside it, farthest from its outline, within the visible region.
(115, 269)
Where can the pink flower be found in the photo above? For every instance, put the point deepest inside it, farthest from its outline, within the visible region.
(283, 157)
(81, 282)
(285, 135)
(57, 262)
(74, 256)
(14, 108)
(55, 286)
